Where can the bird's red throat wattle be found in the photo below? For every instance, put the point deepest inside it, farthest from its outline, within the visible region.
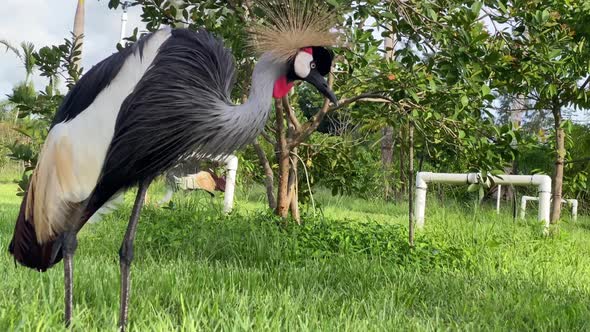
(282, 87)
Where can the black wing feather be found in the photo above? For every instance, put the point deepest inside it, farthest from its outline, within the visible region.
(171, 110)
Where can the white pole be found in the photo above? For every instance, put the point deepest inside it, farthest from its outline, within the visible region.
(543, 182)
(422, 178)
(574, 203)
(230, 183)
(231, 165)
(498, 199)
(523, 201)
(420, 200)
(167, 196)
(123, 23)
(108, 207)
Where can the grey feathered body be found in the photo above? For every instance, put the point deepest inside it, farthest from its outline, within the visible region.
(182, 107)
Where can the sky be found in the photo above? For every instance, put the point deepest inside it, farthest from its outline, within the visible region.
(48, 22)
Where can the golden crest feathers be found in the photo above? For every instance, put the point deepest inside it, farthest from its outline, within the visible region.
(289, 25)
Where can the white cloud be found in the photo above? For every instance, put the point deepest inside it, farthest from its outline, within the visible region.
(48, 22)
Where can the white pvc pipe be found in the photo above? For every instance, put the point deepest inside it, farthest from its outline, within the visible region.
(422, 180)
(420, 203)
(230, 183)
(498, 199)
(543, 182)
(572, 202)
(108, 207)
(523, 201)
(231, 164)
(123, 26)
(167, 196)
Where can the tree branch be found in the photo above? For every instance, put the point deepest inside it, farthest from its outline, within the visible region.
(585, 83)
(291, 114)
(268, 138)
(310, 126)
(268, 175)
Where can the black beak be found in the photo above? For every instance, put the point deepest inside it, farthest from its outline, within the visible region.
(321, 84)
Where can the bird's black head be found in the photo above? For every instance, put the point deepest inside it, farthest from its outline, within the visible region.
(310, 64)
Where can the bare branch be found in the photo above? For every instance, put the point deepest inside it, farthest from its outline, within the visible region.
(268, 175)
(291, 114)
(268, 138)
(310, 126)
(498, 31)
(585, 83)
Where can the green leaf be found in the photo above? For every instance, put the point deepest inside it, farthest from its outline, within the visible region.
(464, 101)
(476, 7)
(333, 3)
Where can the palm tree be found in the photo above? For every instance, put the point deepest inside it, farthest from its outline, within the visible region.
(24, 90)
(25, 54)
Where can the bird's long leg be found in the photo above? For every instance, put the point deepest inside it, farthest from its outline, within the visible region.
(70, 243)
(126, 252)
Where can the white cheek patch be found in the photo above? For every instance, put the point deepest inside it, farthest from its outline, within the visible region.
(302, 64)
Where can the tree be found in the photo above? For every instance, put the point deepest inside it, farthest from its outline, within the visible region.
(387, 143)
(22, 91)
(25, 54)
(546, 44)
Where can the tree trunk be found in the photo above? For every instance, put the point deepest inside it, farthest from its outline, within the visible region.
(411, 184)
(559, 162)
(79, 27)
(387, 141)
(387, 147)
(268, 175)
(386, 159)
(283, 202)
(294, 189)
(402, 163)
(292, 126)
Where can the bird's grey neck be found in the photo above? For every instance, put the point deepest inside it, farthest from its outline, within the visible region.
(244, 122)
(265, 74)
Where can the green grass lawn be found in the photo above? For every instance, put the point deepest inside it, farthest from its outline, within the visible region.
(348, 268)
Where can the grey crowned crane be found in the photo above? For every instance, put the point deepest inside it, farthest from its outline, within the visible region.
(142, 110)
